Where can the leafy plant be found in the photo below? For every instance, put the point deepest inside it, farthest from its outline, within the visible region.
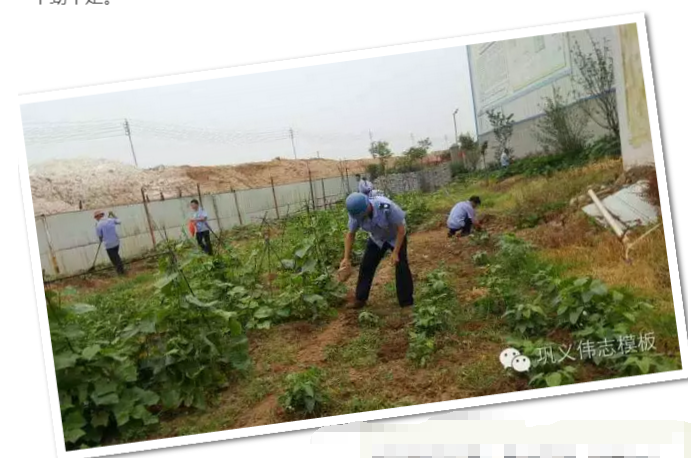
(432, 314)
(502, 127)
(420, 348)
(562, 128)
(527, 317)
(481, 258)
(638, 364)
(368, 319)
(595, 78)
(303, 396)
(416, 207)
(558, 377)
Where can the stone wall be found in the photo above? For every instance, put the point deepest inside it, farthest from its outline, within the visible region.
(426, 180)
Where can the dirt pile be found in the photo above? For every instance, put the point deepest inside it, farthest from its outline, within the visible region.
(65, 185)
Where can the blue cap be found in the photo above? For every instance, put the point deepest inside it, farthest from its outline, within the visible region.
(356, 204)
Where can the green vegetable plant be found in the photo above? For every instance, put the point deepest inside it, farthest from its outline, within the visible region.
(303, 396)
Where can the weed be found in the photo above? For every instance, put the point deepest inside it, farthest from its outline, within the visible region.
(303, 396)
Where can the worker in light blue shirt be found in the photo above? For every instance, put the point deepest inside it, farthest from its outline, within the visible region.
(200, 217)
(462, 217)
(107, 235)
(385, 223)
(363, 186)
(504, 158)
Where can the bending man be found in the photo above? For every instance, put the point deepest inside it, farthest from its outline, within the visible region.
(385, 223)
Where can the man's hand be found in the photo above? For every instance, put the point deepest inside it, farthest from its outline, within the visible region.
(394, 258)
(344, 263)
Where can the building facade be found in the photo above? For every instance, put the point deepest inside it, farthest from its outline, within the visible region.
(516, 76)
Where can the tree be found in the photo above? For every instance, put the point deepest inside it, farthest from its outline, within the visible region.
(471, 148)
(595, 80)
(502, 127)
(417, 153)
(562, 128)
(380, 150)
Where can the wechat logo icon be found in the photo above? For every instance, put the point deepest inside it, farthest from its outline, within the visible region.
(512, 358)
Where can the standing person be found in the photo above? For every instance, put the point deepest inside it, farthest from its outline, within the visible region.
(364, 186)
(199, 217)
(504, 158)
(462, 217)
(107, 234)
(385, 223)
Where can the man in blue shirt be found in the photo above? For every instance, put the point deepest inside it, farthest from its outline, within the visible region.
(363, 186)
(202, 227)
(462, 217)
(385, 223)
(504, 159)
(108, 236)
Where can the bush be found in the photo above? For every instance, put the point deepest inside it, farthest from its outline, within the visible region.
(374, 170)
(416, 208)
(303, 396)
(563, 128)
(458, 168)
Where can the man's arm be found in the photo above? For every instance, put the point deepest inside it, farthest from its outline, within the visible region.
(353, 227)
(202, 217)
(349, 238)
(400, 236)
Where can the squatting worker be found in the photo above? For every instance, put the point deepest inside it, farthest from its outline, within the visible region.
(363, 186)
(199, 217)
(108, 235)
(385, 223)
(462, 217)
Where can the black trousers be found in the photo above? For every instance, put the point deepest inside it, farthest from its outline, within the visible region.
(370, 261)
(204, 241)
(465, 230)
(114, 256)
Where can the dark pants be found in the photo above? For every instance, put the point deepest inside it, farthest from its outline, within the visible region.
(465, 230)
(114, 256)
(404, 279)
(204, 241)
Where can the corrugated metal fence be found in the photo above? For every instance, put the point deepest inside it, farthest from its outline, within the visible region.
(68, 242)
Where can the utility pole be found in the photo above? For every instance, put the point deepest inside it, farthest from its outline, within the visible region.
(412, 140)
(129, 135)
(371, 140)
(292, 141)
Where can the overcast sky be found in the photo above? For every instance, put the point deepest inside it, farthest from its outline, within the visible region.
(331, 109)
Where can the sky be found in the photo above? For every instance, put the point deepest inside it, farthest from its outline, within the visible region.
(330, 108)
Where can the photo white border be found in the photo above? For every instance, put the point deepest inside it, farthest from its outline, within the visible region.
(638, 19)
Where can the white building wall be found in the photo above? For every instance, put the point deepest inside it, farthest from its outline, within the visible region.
(526, 103)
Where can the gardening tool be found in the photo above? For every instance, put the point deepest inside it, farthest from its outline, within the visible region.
(93, 266)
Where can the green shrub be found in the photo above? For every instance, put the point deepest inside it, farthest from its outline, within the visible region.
(416, 208)
(303, 396)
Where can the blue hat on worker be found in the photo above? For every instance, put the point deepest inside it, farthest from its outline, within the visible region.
(356, 204)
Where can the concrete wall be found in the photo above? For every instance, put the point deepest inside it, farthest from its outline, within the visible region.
(68, 242)
(632, 103)
(425, 180)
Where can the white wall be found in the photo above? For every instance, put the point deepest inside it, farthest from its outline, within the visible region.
(68, 243)
(526, 104)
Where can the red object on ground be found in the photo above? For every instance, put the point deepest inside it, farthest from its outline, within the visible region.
(192, 227)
